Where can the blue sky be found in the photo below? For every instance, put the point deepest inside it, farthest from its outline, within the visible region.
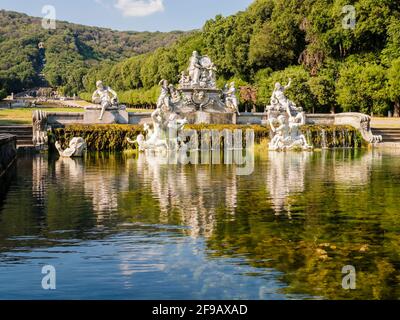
(138, 15)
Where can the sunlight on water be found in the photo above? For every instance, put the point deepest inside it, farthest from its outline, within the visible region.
(120, 227)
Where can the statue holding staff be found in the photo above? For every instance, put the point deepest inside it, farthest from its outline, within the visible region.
(104, 96)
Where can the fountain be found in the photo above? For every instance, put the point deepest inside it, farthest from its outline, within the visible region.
(167, 126)
(197, 100)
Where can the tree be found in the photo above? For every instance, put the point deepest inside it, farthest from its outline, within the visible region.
(299, 92)
(392, 49)
(322, 87)
(362, 87)
(393, 75)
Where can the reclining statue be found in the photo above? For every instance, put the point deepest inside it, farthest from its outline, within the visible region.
(77, 148)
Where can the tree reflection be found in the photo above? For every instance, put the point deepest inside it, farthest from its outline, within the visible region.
(304, 214)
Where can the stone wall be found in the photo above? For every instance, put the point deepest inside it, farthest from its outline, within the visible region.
(358, 121)
(8, 151)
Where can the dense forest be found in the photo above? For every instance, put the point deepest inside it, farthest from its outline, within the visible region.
(334, 68)
(68, 52)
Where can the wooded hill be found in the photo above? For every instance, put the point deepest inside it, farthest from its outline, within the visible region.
(69, 51)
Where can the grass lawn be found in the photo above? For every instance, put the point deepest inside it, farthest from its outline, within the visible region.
(21, 116)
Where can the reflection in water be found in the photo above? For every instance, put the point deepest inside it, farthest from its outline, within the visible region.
(286, 176)
(5, 182)
(195, 191)
(101, 185)
(157, 230)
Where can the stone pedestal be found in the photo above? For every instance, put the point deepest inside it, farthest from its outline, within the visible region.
(91, 116)
(202, 117)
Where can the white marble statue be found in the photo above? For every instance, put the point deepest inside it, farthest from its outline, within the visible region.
(197, 91)
(77, 148)
(164, 94)
(104, 96)
(174, 94)
(278, 96)
(166, 125)
(297, 139)
(184, 81)
(195, 68)
(281, 134)
(287, 134)
(231, 99)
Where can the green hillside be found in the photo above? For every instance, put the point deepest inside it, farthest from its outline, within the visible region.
(70, 50)
(333, 68)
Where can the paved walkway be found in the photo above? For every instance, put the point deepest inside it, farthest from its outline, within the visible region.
(385, 123)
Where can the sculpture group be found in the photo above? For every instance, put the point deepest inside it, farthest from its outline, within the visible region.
(77, 148)
(106, 97)
(163, 135)
(285, 120)
(196, 93)
(197, 89)
(196, 97)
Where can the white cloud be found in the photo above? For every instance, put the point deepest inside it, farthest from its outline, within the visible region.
(139, 8)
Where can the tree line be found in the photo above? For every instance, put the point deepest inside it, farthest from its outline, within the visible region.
(333, 68)
(69, 52)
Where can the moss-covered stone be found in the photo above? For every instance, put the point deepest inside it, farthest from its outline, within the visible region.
(113, 137)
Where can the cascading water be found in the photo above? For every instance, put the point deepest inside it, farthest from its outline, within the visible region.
(323, 139)
(334, 139)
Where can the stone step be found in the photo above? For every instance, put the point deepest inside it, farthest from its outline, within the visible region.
(23, 133)
(5, 128)
(388, 132)
(390, 136)
(20, 139)
(388, 145)
(17, 132)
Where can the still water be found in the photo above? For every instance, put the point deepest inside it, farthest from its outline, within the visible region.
(126, 227)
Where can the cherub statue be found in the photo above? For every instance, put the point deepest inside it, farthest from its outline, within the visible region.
(175, 96)
(184, 81)
(102, 96)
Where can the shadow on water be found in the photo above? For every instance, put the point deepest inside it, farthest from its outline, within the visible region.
(5, 182)
(146, 229)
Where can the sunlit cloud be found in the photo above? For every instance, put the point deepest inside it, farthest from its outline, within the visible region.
(139, 8)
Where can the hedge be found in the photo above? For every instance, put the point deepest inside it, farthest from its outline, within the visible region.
(113, 137)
